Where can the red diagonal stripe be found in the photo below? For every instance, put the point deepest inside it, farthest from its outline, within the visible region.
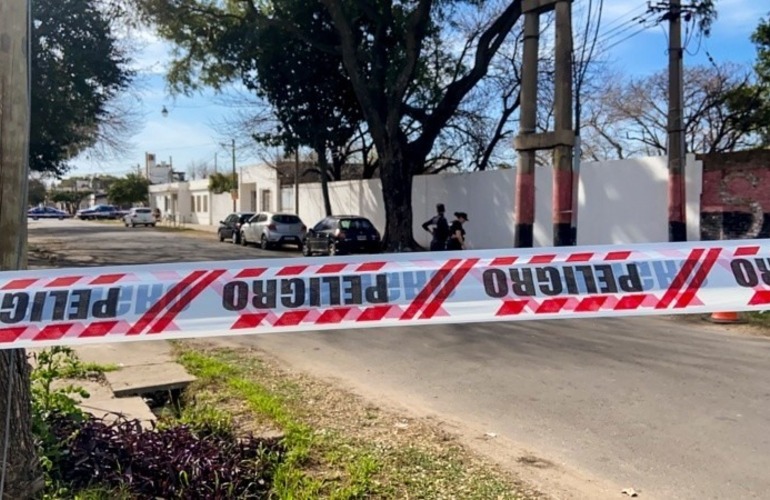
(590, 304)
(551, 305)
(760, 297)
(370, 266)
(331, 268)
(251, 272)
(98, 329)
(742, 251)
(511, 307)
(700, 276)
(430, 287)
(503, 261)
(454, 280)
(331, 316)
(11, 334)
(291, 270)
(19, 284)
(630, 302)
(680, 279)
(291, 318)
(63, 281)
(248, 320)
(580, 257)
(53, 332)
(185, 300)
(374, 313)
(107, 279)
(164, 301)
(618, 255)
(542, 259)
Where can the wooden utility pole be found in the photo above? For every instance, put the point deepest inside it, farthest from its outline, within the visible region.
(677, 225)
(234, 193)
(561, 139)
(20, 476)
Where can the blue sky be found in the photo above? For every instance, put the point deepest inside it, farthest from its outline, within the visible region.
(192, 130)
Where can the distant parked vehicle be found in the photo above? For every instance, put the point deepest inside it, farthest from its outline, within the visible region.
(47, 213)
(342, 234)
(230, 227)
(99, 212)
(139, 216)
(269, 229)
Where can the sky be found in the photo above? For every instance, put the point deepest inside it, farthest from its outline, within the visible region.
(192, 130)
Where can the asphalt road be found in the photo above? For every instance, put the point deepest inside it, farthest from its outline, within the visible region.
(672, 408)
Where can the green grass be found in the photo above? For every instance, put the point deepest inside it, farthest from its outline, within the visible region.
(79, 369)
(326, 462)
(759, 318)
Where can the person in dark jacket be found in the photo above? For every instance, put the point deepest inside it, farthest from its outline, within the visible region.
(456, 239)
(439, 228)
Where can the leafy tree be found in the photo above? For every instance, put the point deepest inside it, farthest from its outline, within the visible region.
(37, 192)
(129, 190)
(70, 199)
(222, 183)
(78, 67)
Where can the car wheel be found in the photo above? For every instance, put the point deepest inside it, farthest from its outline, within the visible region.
(133, 225)
(244, 242)
(61, 218)
(300, 246)
(221, 236)
(235, 240)
(152, 225)
(305, 249)
(263, 243)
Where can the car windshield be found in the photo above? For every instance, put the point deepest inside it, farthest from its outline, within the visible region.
(286, 219)
(244, 217)
(143, 211)
(360, 224)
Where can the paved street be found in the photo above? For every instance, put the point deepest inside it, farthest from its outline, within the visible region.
(671, 408)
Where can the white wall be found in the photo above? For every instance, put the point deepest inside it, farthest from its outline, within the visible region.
(253, 180)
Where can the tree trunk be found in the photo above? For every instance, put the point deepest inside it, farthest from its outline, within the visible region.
(323, 166)
(396, 176)
(20, 471)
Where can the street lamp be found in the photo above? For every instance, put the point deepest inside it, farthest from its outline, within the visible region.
(164, 112)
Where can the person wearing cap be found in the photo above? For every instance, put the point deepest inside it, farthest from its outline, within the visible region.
(439, 228)
(456, 239)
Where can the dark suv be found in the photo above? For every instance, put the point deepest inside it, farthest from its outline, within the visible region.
(230, 228)
(342, 234)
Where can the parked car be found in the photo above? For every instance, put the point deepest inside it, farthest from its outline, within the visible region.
(230, 228)
(342, 234)
(269, 229)
(47, 213)
(99, 212)
(139, 216)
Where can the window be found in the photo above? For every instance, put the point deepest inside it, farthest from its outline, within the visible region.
(286, 219)
(355, 224)
(266, 201)
(205, 202)
(262, 218)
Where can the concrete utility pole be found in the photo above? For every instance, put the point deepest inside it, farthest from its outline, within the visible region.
(234, 192)
(677, 224)
(562, 139)
(296, 181)
(19, 469)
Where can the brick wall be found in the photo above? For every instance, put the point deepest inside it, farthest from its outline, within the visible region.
(735, 202)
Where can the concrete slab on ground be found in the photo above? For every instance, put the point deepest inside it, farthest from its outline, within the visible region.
(142, 379)
(102, 403)
(124, 354)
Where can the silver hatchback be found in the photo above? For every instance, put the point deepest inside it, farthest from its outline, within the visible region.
(273, 229)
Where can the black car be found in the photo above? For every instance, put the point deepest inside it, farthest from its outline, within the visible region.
(342, 234)
(230, 228)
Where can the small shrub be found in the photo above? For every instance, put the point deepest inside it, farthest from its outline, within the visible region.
(174, 462)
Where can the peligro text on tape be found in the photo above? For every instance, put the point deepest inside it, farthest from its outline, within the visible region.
(71, 306)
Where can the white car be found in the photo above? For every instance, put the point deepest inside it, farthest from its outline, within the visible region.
(268, 229)
(139, 217)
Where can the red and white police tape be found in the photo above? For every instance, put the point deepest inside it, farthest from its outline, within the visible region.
(204, 299)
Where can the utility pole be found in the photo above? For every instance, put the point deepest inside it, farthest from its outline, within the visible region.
(296, 181)
(215, 162)
(524, 209)
(561, 139)
(677, 224)
(234, 192)
(19, 467)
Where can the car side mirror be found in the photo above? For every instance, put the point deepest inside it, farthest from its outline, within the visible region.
(311, 231)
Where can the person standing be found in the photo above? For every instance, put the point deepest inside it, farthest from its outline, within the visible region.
(456, 239)
(439, 228)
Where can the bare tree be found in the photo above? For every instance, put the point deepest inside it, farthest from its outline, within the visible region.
(629, 117)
